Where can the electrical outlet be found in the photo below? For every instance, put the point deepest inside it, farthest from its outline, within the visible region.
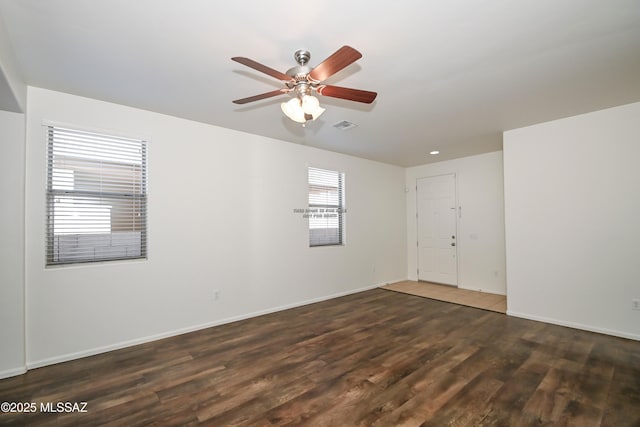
(216, 294)
(635, 304)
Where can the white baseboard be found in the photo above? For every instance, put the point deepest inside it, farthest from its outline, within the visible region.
(13, 372)
(573, 325)
(123, 344)
(389, 282)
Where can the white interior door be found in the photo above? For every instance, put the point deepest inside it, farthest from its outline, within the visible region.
(437, 225)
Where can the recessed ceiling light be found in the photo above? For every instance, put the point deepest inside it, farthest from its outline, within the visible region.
(434, 152)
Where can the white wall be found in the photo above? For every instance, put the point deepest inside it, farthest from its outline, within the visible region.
(13, 91)
(220, 217)
(480, 239)
(12, 152)
(572, 202)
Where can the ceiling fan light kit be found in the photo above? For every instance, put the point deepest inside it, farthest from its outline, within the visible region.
(302, 81)
(301, 110)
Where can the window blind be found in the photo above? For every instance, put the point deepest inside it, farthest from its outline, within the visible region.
(96, 197)
(326, 207)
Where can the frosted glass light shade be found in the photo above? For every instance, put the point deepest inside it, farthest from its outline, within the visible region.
(293, 110)
(311, 105)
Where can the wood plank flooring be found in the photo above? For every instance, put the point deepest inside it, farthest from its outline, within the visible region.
(375, 358)
(483, 300)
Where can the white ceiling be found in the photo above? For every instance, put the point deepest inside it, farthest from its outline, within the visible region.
(450, 75)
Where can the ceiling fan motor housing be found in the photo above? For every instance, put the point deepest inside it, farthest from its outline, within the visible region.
(299, 73)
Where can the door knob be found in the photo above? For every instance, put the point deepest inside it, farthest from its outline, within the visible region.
(453, 244)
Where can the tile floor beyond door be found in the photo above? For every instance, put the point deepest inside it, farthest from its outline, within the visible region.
(483, 300)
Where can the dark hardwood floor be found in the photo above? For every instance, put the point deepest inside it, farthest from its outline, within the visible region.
(377, 358)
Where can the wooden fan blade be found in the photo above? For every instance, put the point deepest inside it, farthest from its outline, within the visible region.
(262, 68)
(347, 93)
(261, 96)
(342, 57)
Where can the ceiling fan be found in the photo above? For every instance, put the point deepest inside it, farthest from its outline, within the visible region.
(303, 80)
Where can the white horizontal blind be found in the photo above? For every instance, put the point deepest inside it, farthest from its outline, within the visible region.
(96, 197)
(326, 207)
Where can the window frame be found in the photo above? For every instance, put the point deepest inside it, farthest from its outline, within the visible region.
(321, 208)
(125, 196)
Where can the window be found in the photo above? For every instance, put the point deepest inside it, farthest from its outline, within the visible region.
(96, 197)
(326, 207)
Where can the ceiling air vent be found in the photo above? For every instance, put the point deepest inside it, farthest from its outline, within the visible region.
(344, 125)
